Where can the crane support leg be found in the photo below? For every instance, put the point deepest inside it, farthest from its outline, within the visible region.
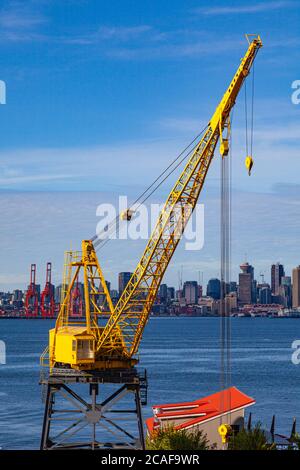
(73, 421)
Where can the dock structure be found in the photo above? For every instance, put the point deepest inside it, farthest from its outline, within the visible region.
(72, 421)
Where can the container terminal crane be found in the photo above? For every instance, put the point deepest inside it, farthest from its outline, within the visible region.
(98, 351)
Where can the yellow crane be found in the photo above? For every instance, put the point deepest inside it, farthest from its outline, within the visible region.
(92, 345)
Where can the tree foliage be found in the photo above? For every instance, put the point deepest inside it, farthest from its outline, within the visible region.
(169, 438)
(250, 439)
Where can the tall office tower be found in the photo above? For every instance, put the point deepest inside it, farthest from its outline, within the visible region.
(17, 295)
(265, 296)
(190, 292)
(163, 293)
(277, 272)
(214, 288)
(285, 291)
(232, 286)
(171, 293)
(246, 284)
(296, 287)
(123, 281)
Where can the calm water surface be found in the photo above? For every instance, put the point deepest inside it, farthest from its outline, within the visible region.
(182, 358)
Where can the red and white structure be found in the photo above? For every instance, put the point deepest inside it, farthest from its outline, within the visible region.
(32, 295)
(47, 296)
(206, 414)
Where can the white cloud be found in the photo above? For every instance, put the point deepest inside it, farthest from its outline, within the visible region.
(89, 162)
(12, 180)
(250, 8)
(122, 32)
(179, 48)
(109, 33)
(20, 19)
(19, 23)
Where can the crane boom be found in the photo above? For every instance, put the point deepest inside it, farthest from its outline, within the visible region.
(87, 345)
(131, 312)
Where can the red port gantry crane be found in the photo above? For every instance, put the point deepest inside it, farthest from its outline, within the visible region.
(32, 295)
(47, 296)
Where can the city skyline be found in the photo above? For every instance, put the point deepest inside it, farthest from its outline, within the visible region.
(247, 297)
(124, 276)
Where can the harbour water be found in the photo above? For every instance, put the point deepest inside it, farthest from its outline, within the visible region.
(182, 358)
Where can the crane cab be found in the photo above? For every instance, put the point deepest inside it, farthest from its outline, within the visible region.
(75, 348)
(72, 345)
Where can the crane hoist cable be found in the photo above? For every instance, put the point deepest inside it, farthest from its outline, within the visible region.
(228, 317)
(246, 118)
(252, 110)
(224, 241)
(251, 125)
(114, 225)
(225, 275)
(225, 235)
(249, 159)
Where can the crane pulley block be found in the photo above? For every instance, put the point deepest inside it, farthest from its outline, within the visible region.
(224, 147)
(127, 215)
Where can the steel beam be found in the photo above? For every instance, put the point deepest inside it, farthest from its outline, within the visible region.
(67, 413)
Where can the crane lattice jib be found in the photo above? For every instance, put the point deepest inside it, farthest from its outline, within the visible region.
(131, 312)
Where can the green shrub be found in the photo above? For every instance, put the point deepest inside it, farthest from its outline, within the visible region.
(169, 438)
(250, 439)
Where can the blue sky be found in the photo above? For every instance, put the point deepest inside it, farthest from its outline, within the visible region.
(102, 95)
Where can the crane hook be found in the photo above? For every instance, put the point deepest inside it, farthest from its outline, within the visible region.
(225, 431)
(249, 164)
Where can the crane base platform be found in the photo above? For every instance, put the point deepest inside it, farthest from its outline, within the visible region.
(75, 418)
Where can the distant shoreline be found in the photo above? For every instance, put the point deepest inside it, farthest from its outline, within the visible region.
(162, 316)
